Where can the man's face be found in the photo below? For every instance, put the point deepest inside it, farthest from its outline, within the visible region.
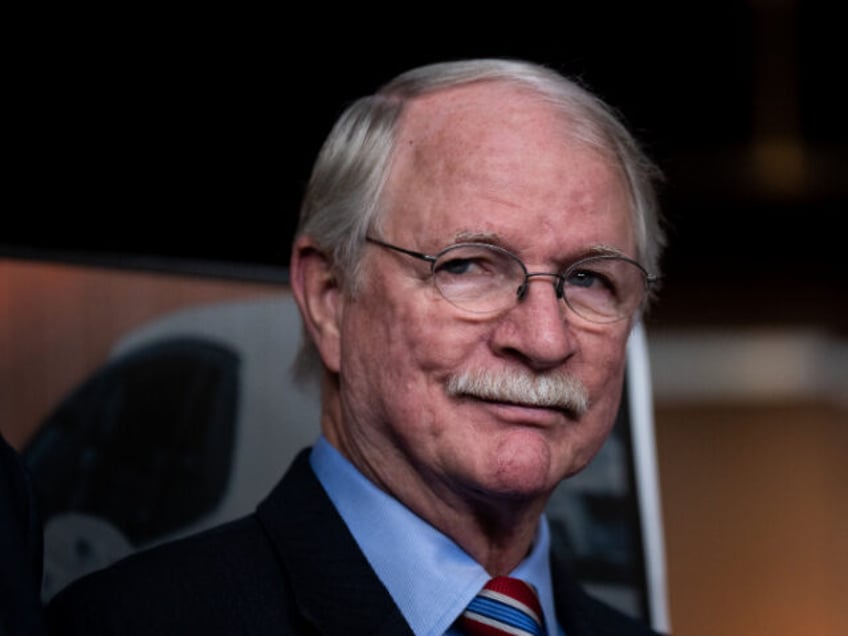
(483, 163)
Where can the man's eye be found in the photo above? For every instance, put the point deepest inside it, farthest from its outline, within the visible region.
(588, 279)
(581, 279)
(458, 266)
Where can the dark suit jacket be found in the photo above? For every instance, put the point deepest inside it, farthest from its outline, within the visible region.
(20, 549)
(290, 568)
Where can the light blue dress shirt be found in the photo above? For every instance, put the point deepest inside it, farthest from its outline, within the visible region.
(430, 578)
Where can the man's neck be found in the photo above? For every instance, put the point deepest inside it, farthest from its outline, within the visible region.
(497, 535)
(497, 532)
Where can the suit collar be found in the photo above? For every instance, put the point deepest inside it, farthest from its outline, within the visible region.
(333, 584)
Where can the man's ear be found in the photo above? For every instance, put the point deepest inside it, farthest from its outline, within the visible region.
(319, 296)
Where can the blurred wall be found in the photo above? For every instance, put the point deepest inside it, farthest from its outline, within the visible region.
(752, 435)
(48, 312)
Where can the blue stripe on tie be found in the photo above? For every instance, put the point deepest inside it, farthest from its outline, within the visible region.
(504, 613)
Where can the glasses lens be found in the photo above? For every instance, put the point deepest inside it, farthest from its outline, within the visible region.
(605, 288)
(477, 277)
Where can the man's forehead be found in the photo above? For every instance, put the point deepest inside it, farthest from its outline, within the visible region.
(498, 154)
(451, 134)
(475, 105)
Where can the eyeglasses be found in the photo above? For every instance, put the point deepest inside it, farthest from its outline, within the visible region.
(483, 278)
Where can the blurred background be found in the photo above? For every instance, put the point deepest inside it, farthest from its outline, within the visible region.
(180, 142)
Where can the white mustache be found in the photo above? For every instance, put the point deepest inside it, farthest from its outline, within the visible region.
(520, 387)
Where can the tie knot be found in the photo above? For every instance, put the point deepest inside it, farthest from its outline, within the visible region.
(504, 606)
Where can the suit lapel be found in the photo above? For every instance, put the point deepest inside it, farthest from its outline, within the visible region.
(334, 587)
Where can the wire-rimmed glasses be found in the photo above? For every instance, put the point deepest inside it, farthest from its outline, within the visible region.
(486, 279)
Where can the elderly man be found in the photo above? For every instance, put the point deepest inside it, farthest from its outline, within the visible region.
(475, 243)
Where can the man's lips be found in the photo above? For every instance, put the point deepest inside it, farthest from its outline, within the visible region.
(522, 409)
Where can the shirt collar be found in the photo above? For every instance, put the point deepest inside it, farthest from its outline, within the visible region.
(430, 578)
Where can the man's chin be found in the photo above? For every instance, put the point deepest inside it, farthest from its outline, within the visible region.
(520, 463)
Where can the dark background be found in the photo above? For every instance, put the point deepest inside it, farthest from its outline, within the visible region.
(190, 136)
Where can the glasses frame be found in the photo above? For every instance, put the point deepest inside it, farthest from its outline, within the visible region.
(521, 291)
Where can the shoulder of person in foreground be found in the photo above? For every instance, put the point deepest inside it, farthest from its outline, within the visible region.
(221, 581)
(20, 548)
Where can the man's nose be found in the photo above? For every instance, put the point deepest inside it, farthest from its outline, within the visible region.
(538, 328)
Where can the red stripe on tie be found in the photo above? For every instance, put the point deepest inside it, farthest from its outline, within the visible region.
(504, 607)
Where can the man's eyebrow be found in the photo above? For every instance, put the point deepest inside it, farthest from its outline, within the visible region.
(605, 250)
(493, 238)
(467, 236)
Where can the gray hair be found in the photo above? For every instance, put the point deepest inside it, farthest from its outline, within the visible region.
(342, 201)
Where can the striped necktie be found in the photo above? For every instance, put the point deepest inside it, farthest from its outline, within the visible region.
(504, 606)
